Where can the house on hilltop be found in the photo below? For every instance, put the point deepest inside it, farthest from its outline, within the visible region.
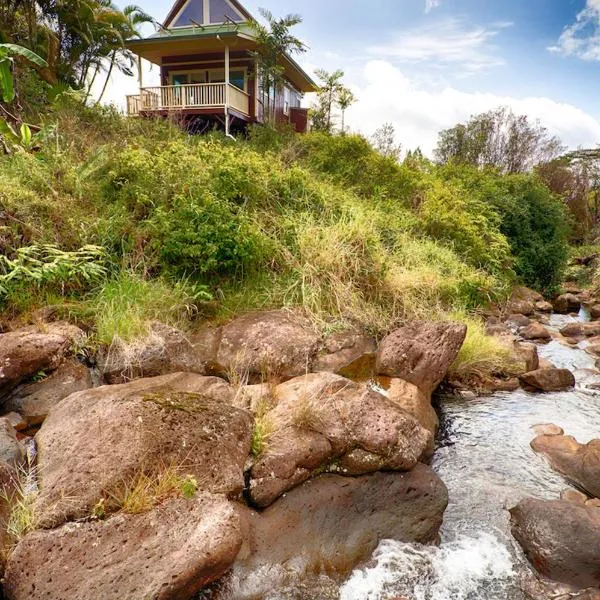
(207, 70)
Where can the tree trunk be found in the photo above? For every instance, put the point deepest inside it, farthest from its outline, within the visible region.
(112, 64)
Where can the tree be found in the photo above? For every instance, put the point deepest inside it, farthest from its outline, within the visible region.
(7, 54)
(384, 141)
(273, 41)
(345, 100)
(327, 96)
(498, 139)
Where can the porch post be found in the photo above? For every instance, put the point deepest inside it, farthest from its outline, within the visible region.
(140, 82)
(226, 90)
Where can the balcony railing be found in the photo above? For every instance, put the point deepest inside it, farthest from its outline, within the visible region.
(189, 96)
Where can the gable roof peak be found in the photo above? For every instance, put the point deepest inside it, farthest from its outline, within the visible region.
(187, 13)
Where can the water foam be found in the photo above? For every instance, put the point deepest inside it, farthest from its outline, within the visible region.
(469, 568)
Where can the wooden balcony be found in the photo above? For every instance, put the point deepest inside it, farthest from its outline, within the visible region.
(201, 97)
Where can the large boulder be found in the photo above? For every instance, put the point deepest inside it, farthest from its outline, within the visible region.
(351, 354)
(548, 380)
(421, 353)
(560, 539)
(97, 441)
(271, 343)
(580, 330)
(536, 331)
(169, 553)
(165, 350)
(566, 303)
(332, 523)
(527, 354)
(322, 418)
(33, 401)
(580, 463)
(26, 352)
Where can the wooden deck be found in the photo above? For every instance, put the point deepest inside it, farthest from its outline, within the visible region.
(202, 97)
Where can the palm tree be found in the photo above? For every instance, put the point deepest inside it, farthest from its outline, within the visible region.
(345, 99)
(120, 56)
(331, 85)
(273, 41)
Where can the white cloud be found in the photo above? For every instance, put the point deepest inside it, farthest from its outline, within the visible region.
(582, 38)
(431, 4)
(447, 43)
(418, 114)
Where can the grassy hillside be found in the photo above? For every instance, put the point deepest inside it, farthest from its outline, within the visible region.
(203, 227)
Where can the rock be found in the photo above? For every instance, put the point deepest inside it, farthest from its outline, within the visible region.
(547, 429)
(332, 523)
(548, 380)
(594, 502)
(11, 450)
(536, 331)
(9, 484)
(323, 417)
(96, 441)
(570, 287)
(593, 349)
(16, 420)
(574, 496)
(408, 397)
(351, 354)
(544, 306)
(580, 463)
(521, 307)
(421, 353)
(26, 352)
(497, 329)
(503, 385)
(165, 350)
(34, 400)
(528, 355)
(566, 303)
(523, 300)
(573, 330)
(545, 364)
(519, 320)
(271, 343)
(543, 589)
(560, 539)
(468, 395)
(170, 553)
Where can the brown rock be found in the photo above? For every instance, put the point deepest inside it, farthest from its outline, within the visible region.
(574, 496)
(165, 350)
(170, 553)
(544, 306)
(528, 355)
(408, 397)
(593, 502)
(342, 417)
(543, 589)
(573, 330)
(503, 385)
(11, 450)
(547, 429)
(595, 311)
(332, 523)
(560, 539)
(548, 380)
(536, 331)
(351, 354)
(95, 441)
(276, 343)
(545, 364)
(566, 303)
(580, 463)
(34, 400)
(16, 420)
(26, 352)
(421, 353)
(519, 320)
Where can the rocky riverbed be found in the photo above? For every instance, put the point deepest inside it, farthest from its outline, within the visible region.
(263, 460)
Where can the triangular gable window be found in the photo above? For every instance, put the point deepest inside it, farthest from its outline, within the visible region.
(221, 10)
(192, 11)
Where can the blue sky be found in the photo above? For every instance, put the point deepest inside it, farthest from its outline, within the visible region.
(426, 64)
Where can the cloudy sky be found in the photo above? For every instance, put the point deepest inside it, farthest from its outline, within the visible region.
(425, 65)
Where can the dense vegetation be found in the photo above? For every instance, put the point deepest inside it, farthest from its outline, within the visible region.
(121, 221)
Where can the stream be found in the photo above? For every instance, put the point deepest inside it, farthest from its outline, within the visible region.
(485, 460)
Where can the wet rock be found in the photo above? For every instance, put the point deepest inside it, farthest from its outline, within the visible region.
(26, 352)
(271, 343)
(169, 553)
(323, 417)
(11, 450)
(527, 354)
(536, 588)
(580, 463)
(95, 440)
(536, 331)
(519, 320)
(566, 303)
(421, 353)
(548, 380)
(574, 496)
(165, 350)
(543, 306)
(547, 429)
(351, 354)
(332, 523)
(560, 539)
(35, 400)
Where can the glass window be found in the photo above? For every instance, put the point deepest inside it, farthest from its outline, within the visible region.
(180, 78)
(286, 100)
(220, 10)
(238, 79)
(194, 10)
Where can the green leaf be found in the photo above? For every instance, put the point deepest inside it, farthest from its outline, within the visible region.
(7, 132)
(26, 135)
(7, 90)
(16, 50)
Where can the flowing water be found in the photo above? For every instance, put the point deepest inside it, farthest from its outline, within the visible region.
(487, 464)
